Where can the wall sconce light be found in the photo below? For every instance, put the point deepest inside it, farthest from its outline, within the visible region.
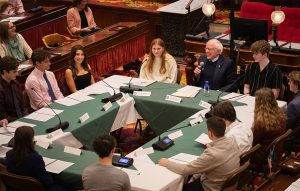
(277, 18)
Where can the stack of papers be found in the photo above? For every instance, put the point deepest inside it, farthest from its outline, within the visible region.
(56, 166)
(80, 96)
(12, 19)
(187, 91)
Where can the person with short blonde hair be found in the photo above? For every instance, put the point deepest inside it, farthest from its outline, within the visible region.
(159, 65)
(219, 71)
(262, 72)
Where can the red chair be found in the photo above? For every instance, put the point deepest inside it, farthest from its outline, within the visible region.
(257, 10)
(289, 30)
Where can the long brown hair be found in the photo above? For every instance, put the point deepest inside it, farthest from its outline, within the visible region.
(149, 67)
(23, 144)
(267, 113)
(84, 63)
(4, 31)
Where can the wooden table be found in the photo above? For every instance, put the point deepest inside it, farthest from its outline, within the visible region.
(106, 49)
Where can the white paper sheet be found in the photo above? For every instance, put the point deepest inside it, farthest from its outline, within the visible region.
(292, 45)
(48, 160)
(67, 101)
(4, 139)
(39, 116)
(48, 111)
(12, 127)
(23, 66)
(97, 89)
(158, 178)
(175, 135)
(58, 166)
(185, 94)
(233, 96)
(80, 96)
(184, 157)
(12, 19)
(3, 151)
(178, 7)
(272, 43)
(141, 82)
(245, 114)
(203, 139)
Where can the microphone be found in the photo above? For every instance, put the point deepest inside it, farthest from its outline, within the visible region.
(62, 125)
(225, 89)
(129, 89)
(201, 67)
(114, 97)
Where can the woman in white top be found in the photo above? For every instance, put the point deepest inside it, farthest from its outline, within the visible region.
(12, 43)
(159, 65)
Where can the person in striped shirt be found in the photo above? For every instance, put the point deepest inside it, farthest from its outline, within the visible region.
(262, 72)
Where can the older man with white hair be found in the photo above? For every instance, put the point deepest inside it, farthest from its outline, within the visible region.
(219, 71)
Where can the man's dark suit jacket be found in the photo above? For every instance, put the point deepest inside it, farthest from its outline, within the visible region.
(293, 118)
(224, 75)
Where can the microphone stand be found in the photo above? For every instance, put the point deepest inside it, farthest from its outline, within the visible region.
(129, 89)
(188, 8)
(114, 97)
(62, 125)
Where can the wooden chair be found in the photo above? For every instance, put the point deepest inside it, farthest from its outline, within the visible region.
(248, 154)
(231, 183)
(179, 75)
(18, 182)
(55, 40)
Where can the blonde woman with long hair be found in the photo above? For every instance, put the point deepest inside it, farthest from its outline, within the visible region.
(159, 65)
(269, 122)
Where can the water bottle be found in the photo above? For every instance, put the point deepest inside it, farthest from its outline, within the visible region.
(206, 88)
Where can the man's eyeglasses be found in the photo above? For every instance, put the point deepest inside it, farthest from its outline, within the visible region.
(209, 49)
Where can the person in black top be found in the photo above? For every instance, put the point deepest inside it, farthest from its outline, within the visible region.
(80, 19)
(24, 160)
(11, 99)
(262, 72)
(219, 71)
(78, 75)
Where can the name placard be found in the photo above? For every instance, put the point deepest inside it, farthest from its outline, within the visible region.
(107, 106)
(173, 98)
(84, 117)
(142, 93)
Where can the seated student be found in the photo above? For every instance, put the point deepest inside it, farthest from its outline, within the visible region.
(11, 99)
(159, 65)
(102, 175)
(293, 111)
(218, 161)
(241, 133)
(269, 123)
(11, 7)
(12, 43)
(41, 85)
(218, 70)
(80, 18)
(24, 160)
(262, 72)
(78, 75)
(3, 122)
